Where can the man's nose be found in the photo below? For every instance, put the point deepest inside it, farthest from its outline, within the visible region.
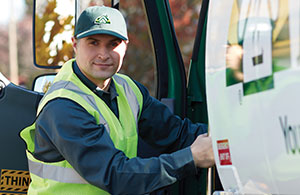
(102, 53)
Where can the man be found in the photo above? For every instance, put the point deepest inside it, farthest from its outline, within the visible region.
(85, 138)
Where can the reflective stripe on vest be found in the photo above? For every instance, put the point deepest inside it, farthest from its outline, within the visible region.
(56, 173)
(123, 131)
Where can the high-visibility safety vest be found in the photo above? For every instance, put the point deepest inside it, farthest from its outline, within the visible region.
(60, 177)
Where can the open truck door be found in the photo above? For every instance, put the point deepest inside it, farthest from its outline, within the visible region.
(187, 94)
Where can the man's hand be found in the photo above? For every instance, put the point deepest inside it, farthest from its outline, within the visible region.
(202, 152)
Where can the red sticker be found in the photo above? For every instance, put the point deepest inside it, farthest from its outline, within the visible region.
(224, 153)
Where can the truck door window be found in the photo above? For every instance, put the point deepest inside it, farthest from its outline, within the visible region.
(139, 62)
(185, 17)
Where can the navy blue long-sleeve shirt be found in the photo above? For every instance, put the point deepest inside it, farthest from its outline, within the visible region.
(66, 131)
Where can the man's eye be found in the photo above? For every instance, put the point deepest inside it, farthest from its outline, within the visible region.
(95, 43)
(115, 43)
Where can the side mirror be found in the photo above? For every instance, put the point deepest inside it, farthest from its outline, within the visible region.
(42, 83)
(54, 22)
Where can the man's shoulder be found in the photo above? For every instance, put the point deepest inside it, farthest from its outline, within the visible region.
(142, 89)
(62, 111)
(61, 107)
(140, 86)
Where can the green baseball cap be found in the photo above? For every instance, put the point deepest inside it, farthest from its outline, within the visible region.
(101, 20)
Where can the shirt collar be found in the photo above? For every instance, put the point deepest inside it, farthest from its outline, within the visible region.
(111, 90)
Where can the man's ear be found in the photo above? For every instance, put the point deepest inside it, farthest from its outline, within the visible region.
(127, 41)
(74, 44)
(126, 44)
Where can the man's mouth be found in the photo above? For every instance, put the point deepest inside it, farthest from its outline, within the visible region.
(101, 64)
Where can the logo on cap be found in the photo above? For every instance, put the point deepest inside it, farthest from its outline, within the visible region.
(102, 20)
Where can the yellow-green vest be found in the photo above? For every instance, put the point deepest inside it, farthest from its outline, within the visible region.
(60, 178)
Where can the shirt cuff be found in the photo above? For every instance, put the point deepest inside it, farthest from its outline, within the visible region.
(185, 163)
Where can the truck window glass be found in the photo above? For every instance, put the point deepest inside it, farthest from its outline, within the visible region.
(185, 17)
(139, 62)
(54, 27)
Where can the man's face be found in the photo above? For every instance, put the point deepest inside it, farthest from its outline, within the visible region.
(99, 57)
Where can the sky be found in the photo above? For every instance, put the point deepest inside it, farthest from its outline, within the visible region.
(5, 7)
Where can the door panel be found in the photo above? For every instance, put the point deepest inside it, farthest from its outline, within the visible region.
(171, 78)
(18, 110)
